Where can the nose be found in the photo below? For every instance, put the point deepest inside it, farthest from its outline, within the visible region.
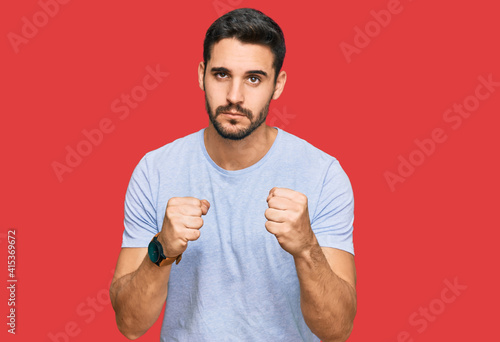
(235, 92)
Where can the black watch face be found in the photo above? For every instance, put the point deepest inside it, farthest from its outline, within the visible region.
(153, 252)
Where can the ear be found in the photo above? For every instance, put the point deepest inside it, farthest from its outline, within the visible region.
(280, 85)
(201, 72)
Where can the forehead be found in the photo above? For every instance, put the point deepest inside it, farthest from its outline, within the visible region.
(238, 56)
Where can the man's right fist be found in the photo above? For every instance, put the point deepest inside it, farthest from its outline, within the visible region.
(181, 224)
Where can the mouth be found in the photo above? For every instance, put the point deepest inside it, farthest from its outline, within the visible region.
(233, 114)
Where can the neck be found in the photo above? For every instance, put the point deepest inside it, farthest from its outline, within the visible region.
(239, 154)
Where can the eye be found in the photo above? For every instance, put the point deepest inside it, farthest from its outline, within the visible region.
(254, 79)
(221, 75)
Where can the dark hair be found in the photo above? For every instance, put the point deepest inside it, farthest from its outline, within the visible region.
(248, 25)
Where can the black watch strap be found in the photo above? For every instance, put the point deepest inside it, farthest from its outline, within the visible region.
(155, 251)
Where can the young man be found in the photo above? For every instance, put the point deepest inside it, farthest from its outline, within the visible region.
(261, 219)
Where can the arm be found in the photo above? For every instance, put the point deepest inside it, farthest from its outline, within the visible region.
(138, 291)
(139, 287)
(327, 276)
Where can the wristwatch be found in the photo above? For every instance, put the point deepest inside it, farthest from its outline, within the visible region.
(155, 252)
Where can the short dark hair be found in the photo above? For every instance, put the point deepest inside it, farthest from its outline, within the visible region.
(248, 25)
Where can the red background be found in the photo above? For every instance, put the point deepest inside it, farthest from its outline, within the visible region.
(438, 225)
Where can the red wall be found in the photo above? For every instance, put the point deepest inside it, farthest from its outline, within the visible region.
(405, 94)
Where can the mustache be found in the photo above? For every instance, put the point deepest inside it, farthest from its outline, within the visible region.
(234, 107)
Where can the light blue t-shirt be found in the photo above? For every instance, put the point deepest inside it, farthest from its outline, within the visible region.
(236, 283)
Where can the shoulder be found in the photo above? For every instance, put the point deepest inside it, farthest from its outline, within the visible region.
(162, 160)
(298, 151)
(173, 152)
(313, 165)
(181, 145)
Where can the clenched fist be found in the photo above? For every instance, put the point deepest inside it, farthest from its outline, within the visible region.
(181, 224)
(288, 219)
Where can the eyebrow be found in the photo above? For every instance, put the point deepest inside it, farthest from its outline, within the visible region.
(258, 72)
(219, 69)
(226, 70)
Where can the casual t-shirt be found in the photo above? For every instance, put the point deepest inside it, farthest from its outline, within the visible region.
(236, 283)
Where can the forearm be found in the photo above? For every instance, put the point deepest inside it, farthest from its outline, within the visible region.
(138, 298)
(328, 302)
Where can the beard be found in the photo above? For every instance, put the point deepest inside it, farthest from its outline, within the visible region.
(242, 132)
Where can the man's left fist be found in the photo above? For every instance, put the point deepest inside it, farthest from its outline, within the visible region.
(288, 219)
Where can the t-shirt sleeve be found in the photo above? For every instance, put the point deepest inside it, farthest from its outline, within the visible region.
(140, 213)
(333, 218)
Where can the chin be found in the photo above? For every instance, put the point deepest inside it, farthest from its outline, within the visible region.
(232, 134)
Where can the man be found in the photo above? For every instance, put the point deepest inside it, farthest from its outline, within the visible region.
(258, 221)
